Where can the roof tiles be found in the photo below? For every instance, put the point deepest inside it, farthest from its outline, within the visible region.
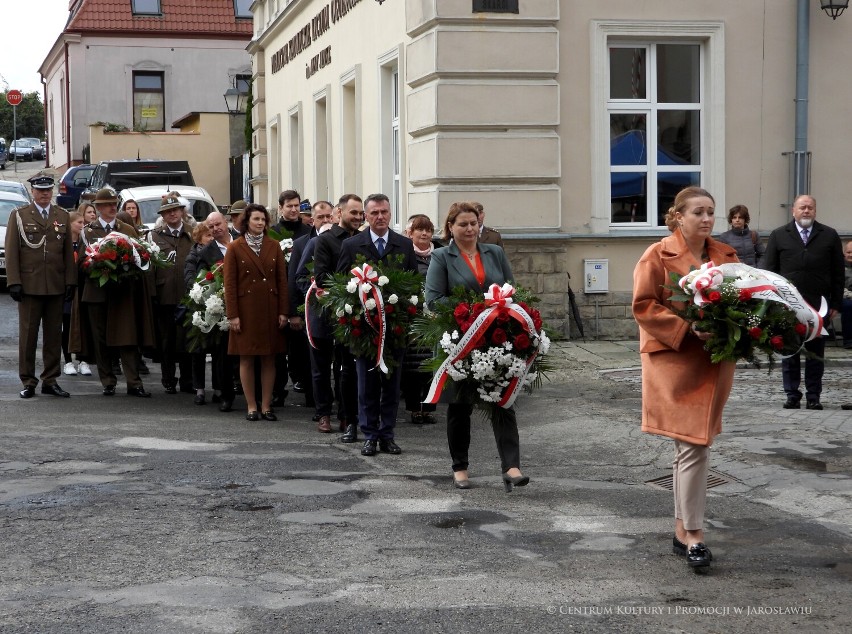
(204, 17)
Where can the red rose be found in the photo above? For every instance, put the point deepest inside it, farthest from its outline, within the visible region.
(522, 342)
(398, 330)
(354, 321)
(755, 332)
(498, 337)
(537, 322)
(388, 309)
(477, 309)
(209, 276)
(714, 296)
(356, 332)
(461, 312)
(745, 295)
(777, 342)
(465, 325)
(125, 258)
(342, 321)
(503, 316)
(800, 329)
(412, 310)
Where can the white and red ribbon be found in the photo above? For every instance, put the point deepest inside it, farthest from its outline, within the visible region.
(319, 292)
(368, 277)
(499, 301)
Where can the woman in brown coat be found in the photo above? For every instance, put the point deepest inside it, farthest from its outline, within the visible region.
(255, 304)
(683, 393)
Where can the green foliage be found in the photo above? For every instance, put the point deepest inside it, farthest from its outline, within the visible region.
(30, 117)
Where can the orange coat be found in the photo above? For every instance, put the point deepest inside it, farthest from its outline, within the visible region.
(683, 393)
(256, 292)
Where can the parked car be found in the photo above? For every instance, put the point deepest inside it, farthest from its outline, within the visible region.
(38, 148)
(72, 184)
(149, 199)
(126, 174)
(20, 150)
(16, 188)
(3, 155)
(8, 202)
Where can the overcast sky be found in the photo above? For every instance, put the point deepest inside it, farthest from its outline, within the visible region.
(30, 27)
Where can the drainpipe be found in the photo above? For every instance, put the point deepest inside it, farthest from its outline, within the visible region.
(800, 166)
(67, 109)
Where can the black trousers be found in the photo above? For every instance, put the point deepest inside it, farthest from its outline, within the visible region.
(173, 348)
(791, 372)
(223, 369)
(505, 433)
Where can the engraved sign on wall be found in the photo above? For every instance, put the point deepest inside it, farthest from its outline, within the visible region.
(495, 6)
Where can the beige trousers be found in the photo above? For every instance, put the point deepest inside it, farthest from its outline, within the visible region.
(689, 479)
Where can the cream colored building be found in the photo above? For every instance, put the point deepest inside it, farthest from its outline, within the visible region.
(573, 121)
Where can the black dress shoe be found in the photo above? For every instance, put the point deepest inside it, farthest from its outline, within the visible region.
(514, 481)
(351, 434)
(171, 389)
(252, 416)
(109, 390)
(461, 484)
(369, 448)
(226, 406)
(199, 399)
(138, 391)
(55, 390)
(792, 403)
(698, 556)
(27, 392)
(389, 446)
(679, 548)
(269, 415)
(813, 405)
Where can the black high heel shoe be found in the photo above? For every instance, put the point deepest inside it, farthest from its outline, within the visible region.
(517, 481)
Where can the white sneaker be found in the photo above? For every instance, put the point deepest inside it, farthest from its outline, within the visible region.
(84, 369)
(70, 369)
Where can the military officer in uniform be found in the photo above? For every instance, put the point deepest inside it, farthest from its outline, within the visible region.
(40, 275)
(118, 314)
(175, 243)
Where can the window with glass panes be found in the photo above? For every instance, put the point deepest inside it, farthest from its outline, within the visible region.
(145, 7)
(148, 101)
(656, 124)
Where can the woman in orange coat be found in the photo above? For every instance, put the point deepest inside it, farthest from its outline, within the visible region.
(256, 305)
(683, 393)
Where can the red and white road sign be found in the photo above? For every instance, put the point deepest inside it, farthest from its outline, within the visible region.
(14, 97)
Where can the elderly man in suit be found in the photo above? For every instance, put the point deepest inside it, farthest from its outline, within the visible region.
(810, 255)
(119, 314)
(378, 393)
(40, 275)
(487, 235)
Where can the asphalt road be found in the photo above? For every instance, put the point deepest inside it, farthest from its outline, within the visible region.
(156, 515)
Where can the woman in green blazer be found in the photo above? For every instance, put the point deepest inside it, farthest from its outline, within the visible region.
(474, 266)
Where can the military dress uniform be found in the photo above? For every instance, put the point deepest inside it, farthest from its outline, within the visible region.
(40, 261)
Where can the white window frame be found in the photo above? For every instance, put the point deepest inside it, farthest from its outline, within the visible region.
(392, 150)
(710, 35)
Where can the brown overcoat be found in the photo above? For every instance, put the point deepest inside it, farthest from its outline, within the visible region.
(169, 281)
(256, 293)
(130, 319)
(683, 393)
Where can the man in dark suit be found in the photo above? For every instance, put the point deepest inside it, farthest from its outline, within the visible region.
(487, 235)
(378, 393)
(810, 255)
(119, 315)
(324, 252)
(222, 364)
(40, 274)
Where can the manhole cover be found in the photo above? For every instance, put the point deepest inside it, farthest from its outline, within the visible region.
(714, 479)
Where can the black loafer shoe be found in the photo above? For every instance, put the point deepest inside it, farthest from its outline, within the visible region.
(109, 390)
(699, 556)
(369, 448)
(138, 391)
(389, 446)
(199, 399)
(269, 415)
(792, 403)
(27, 392)
(252, 416)
(813, 405)
(171, 389)
(226, 406)
(55, 390)
(350, 435)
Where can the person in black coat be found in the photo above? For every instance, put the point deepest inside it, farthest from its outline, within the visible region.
(324, 252)
(810, 255)
(378, 393)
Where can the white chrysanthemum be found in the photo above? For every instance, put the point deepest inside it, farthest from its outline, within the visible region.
(383, 280)
(352, 286)
(339, 313)
(348, 308)
(544, 345)
(286, 243)
(197, 319)
(214, 303)
(393, 299)
(413, 300)
(370, 304)
(365, 287)
(455, 335)
(196, 294)
(224, 324)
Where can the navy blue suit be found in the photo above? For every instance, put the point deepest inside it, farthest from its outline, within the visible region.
(378, 393)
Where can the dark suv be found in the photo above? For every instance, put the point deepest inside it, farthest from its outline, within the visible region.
(129, 173)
